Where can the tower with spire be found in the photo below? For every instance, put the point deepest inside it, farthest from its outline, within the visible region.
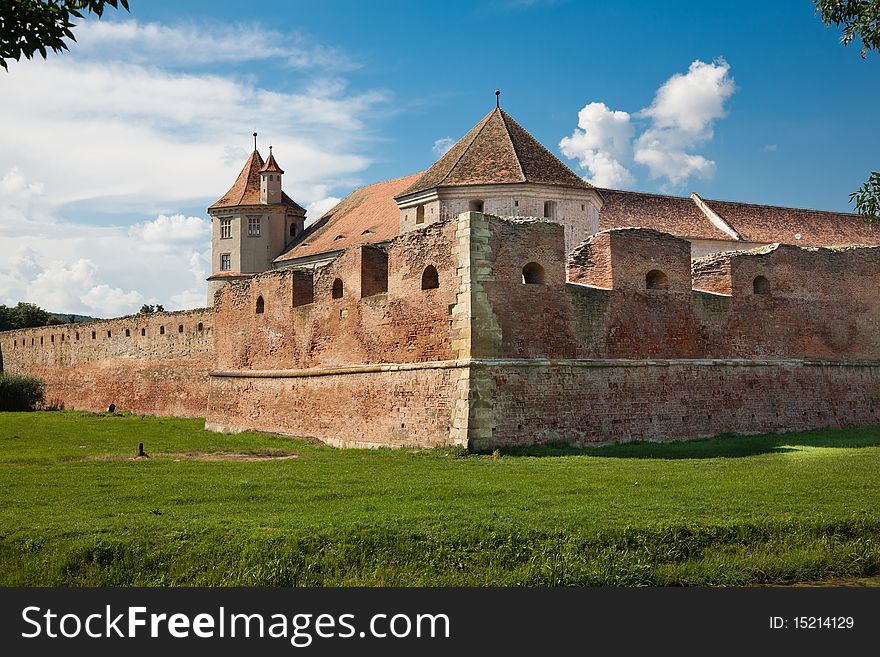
(252, 223)
(499, 168)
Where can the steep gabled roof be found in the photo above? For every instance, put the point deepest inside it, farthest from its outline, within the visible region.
(246, 189)
(369, 214)
(497, 150)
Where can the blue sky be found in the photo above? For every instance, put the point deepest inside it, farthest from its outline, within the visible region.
(111, 152)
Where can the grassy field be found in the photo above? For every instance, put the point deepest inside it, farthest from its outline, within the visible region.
(252, 509)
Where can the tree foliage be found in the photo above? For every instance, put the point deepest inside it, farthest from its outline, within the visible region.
(857, 18)
(149, 309)
(28, 27)
(24, 315)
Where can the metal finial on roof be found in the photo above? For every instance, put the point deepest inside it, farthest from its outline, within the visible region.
(255, 141)
(270, 149)
(498, 98)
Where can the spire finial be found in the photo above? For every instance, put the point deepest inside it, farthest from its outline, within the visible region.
(498, 98)
(255, 141)
(270, 149)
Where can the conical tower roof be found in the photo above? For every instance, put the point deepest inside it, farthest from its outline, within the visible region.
(497, 150)
(271, 165)
(246, 189)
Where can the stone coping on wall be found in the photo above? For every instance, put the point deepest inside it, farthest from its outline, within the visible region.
(541, 362)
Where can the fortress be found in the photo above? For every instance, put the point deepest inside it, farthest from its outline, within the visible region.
(495, 299)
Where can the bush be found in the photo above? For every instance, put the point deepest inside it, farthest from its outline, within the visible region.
(20, 393)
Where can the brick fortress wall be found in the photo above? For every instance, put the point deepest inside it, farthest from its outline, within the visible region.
(509, 343)
(156, 364)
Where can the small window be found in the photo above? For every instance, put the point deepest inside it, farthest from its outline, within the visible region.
(180, 328)
(420, 214)
(127, 333)
(261, 306)
(761, 285)
(533, 274)
(550, 209)
(201, 327)
(51, 338)
(15, 343)
(253, 226)
(293, 230)
(583, 207)
(225, 229)
(656, 280)
(41, 339)
(225, 262)
(516, 204)
(161, 330)
(475, 205)
(430, 279)
(94, 335)
(62, 337)
(76, 336)
(143, 332)
(108, 334)
(337, 288)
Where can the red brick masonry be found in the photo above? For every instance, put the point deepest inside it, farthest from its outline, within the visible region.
(626, 340)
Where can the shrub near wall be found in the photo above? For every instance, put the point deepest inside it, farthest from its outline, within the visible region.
(20, 393)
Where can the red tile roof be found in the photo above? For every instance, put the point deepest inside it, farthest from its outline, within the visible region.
(768, 223)
(496, 150)
(669, 214)
(369, 214)
(271, 165)
(246, 189)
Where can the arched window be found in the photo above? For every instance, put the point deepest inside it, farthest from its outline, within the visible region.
(128, 333)
(550, 209)
(161, 330)
(656, 280)
(533, 274)
(420, 214)
(337, 288)
(261, 306)
(180, 328)
(761, 285)
(475, 205)
(430, 279)
(143, 332)
(201, 327)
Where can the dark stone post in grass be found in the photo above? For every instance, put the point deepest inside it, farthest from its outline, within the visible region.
(141, 449)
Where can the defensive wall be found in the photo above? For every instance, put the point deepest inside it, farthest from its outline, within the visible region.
(478, 331)
(156, 363)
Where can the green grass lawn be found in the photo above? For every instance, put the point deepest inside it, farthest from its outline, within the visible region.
(77, 509)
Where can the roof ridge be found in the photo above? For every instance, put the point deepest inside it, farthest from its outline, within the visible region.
(482, 125)
(781, 207)
(516, 154)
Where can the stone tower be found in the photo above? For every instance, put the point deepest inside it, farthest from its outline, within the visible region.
(252, 223)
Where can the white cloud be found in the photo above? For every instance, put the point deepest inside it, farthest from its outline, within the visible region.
(111, 301)
(683, 117)
(770, 148)
(155, 43)
(442, 146)
(316, 209)
(163, 230)
(680, 119)
(599, 143)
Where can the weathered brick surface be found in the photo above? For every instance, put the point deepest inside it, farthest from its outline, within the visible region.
(348, 409)
(663, 401)
(146, 371)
